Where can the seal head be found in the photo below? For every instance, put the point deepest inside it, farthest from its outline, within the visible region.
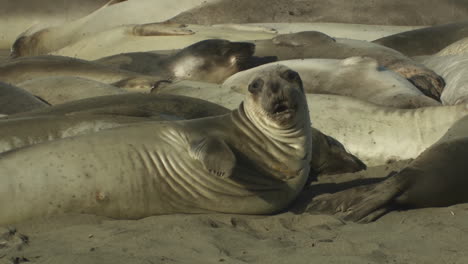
(276, 100)
(212, 60)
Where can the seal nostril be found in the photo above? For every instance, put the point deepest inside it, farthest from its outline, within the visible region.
(256, 86)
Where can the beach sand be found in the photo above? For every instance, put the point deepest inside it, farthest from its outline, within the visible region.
(431, 235)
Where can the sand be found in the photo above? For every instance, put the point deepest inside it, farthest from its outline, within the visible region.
(433, 235)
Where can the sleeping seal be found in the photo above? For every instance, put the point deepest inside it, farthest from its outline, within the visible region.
(358, 77)
(254, 160)
(314, 44)
(102, 44)
(211, 60)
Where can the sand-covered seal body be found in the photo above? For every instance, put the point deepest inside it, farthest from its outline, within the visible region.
(28, 68)
(43, 38)
(148, 37)
(314, 44)
(253, 161)
(16, 100)
(358, 77)
(210, 60)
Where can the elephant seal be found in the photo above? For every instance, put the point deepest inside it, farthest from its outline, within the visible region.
(102, 44)
(18, 16)
(369, 12)
(254, 160)
(47, 38)
(16, 100)
(27, 68)
(358, 77)
(376, 135)
(454, 70)
(436, 178)
(314, 44)
(61, 89)
(425, 41)
(88, 115)
(211, 60)
(459, 47)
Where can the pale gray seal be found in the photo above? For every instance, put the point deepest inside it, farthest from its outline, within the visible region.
(314, 44)
(358, 77)
(254, 160)
(16, 100)
(435, 178)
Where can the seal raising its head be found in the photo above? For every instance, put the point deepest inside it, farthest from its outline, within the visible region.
(254, 160)
(211, 60)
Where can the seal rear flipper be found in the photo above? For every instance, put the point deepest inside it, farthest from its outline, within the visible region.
(215, 155)
(363, 203)
(161, 29)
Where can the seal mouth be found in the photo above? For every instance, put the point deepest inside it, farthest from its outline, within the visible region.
(283, 111)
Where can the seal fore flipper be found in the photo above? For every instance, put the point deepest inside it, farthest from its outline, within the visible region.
(215, 155)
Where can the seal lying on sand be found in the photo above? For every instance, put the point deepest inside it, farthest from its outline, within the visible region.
(102, 44)
(210, 60)
(425, 41)
(436, 178)
(357, 77)
(252, 161)
(375, 134)
(24, 69)
(50, 38)
(314, 44)
(60, 89)
(18, 16)
(16, 100)
(88, 115)
(454, 69)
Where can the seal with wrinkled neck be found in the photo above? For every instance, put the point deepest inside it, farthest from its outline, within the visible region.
(254, 160)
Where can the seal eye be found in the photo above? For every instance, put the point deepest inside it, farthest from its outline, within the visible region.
(290, 75)
(256, 86)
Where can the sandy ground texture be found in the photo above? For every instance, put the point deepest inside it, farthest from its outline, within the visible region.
(432, 235)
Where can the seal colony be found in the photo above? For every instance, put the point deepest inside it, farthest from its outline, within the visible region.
(260, 152)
